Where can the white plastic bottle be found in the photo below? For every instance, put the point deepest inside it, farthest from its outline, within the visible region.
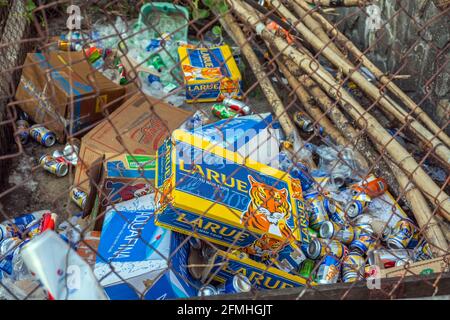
(62, 272)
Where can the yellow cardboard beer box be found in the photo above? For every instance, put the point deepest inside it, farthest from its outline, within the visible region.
(210, 74)
(259, 274)
(205, 189)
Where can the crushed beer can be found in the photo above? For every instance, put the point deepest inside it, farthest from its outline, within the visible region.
(23, 131)
(342, 233)
(42, 135)
(403, 235)
(51, 165)
(71, 151)
(59, 156)
(357, 205)
(223, 112)
(304, 122)
(79, 197)
(237, 106)
(364, 241)
(389, 258)
(236, 284)
(423, 251)
(207, 290)
(338, 216)
(319, 248)
(329, 270)
(317, 213)
(353, 267)
(11, 263)
(306, 269)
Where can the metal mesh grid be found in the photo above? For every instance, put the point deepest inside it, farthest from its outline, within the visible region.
(295, 56)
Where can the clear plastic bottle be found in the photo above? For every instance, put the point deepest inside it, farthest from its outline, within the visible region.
(213, 37)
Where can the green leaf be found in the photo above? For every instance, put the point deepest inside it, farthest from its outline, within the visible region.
(222, 8)
(200, 14)
(30, 6)
(208, 3)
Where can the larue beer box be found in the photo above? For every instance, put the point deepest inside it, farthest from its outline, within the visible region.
(149, 262)
(254, 136)
(62, 91)
(210, 74)
(260, 275)
(216, 194)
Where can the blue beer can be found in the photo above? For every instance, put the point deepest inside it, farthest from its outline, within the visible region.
(43, 135)
(236, 284)
(329, 270)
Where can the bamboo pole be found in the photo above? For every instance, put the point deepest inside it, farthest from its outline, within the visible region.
(388, 105)
(341, 122)
(316, 28)
(381, 77)
(364, 120)
(313, 110)
(424, 216)
(264, 82)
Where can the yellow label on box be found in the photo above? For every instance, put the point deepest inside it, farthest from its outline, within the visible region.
(224, 198)
(259, 274)
(210, 74)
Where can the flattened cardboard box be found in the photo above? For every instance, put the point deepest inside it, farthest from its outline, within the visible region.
(226, 199)
(139, 126)
(149, 262)
(123, 177)
(62, 91)
(437, 265)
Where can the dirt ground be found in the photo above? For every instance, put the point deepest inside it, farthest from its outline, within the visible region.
(32, 188)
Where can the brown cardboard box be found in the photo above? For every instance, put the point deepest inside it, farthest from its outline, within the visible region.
(63, 92)
(139, 126)
(127, 176)
(436, 265)
(123, 178)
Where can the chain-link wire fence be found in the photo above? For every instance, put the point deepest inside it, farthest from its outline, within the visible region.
(272, 149)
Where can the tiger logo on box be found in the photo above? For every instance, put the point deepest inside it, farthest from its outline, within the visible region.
(198, 73)
(268, 210)
(163, 195)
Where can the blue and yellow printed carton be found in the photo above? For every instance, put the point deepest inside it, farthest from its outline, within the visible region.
(214, 193)
(138, 260)
(260, 275)
(210, 74)
(253, 136)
